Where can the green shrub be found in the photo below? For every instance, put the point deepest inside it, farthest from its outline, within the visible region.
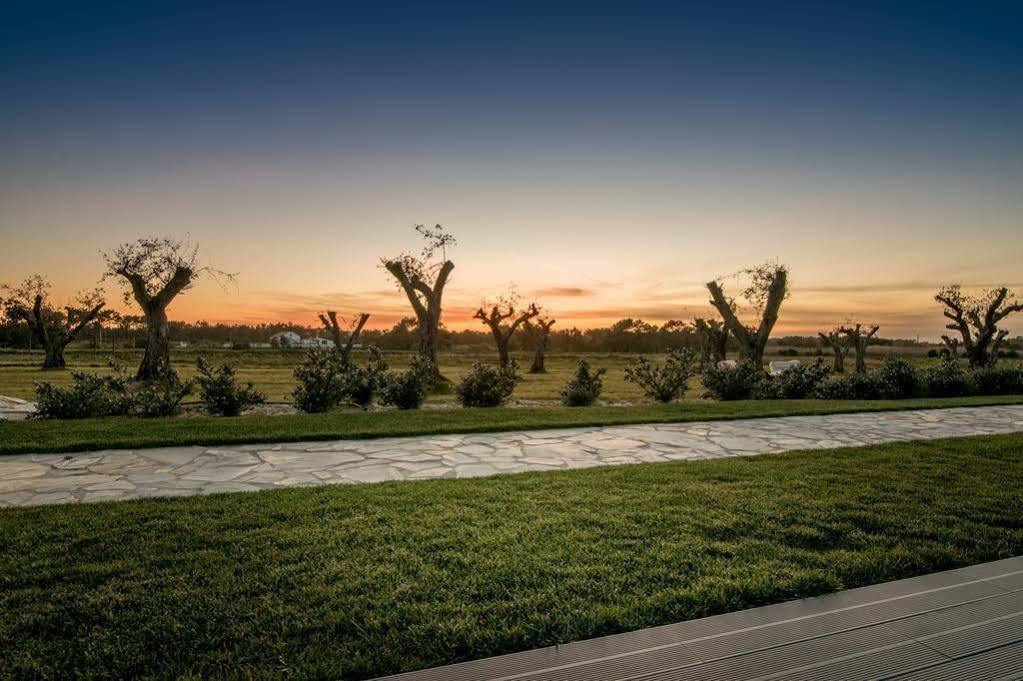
(407, 389)
(947, 379)
(897, 379)
(736, 384)
(664, 382)
(360, 384)
(585, 386)
(220, 391)
(998, 380)
(854, 386)
(88, 396)
(320, 383)
(767, 388)
(485, 386)
(162, 397)
(799, 382)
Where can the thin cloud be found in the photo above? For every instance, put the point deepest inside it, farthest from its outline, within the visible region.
(563, 292)
(882, 287)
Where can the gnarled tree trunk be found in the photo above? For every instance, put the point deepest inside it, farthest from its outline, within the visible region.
(840, 349)
(344, 347)
(977, 321)
(502, 333)
(54, 357)
(156, 361)
(426, 303)
(752, 341)
(540, 333)
(859, 340)
(54, 337)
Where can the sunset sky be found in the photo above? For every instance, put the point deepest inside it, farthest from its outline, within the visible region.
(606, 160)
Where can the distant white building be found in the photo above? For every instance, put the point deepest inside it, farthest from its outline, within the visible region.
(290, 339)
(285, 339)
(316, 342)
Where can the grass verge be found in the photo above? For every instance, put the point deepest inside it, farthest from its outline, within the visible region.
(353, 582)
(131, 433)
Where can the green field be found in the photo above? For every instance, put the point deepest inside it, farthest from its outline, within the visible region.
(271, 370)
(353, 582)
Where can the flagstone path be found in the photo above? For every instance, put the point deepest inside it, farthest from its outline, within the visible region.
(33, 479)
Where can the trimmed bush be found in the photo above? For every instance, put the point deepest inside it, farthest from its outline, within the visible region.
(897, 379)
(767, 388)
(320, 383)
(947, 379)
(664, 382)
(585, 386)
(799, 382)
(407, 389)
(998, 380)
(853, 386)
(162, 397)
(485, 386)
(220, 391)
(360, 384)
(736, 384)
(88, 396)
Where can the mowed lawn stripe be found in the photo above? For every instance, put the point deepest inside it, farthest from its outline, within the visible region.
(353, 582)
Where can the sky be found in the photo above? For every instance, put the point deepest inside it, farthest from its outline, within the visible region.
(605, 160)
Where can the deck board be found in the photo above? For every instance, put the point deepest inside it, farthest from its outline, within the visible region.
(923, 625)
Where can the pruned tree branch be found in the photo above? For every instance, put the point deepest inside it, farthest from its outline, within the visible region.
(976, 319)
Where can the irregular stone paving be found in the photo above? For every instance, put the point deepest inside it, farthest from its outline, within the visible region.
(32, 479)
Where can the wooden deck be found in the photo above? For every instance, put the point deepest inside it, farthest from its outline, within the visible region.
(960, 624)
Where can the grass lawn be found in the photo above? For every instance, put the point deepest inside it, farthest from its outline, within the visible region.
(352, 582)
(128, 433)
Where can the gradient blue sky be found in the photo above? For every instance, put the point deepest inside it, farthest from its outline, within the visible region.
(607, 159)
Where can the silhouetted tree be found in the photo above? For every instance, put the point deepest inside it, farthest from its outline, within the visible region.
(539, 332)
(503, 320)
(155, 271)
(423, 280)
(343, 345)
(53, 329)
(712, 337)
(767, 289)
(858, 337)
(976, 319)
(839, 347)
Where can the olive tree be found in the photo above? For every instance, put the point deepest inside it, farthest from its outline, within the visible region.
(333, 327)
(767, 289)
(976, 319)
(51, 327)
(503, 320)
(858, 337)
(539, 331)
(839, 346)
(423, 278)
(154, 271)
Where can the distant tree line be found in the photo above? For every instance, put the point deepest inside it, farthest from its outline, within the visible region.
(626, 335)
